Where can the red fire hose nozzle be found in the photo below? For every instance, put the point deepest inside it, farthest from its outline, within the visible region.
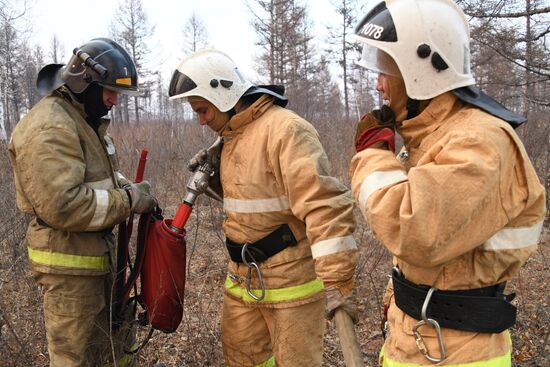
(197, 184)
(183, 213)
(194, 186)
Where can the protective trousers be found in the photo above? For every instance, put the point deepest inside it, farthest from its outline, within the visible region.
(255, 335)
(76, 315)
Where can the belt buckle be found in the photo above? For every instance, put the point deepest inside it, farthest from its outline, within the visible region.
(433, 323)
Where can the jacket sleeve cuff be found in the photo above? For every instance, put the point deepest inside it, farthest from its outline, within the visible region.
(344, 287)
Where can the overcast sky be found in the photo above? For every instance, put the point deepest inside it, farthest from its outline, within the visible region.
(227, 22)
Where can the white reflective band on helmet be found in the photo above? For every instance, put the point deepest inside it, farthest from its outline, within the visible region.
(332, 246)
(514, 238)
(105, 184)
(102, 204)
(378, 180)
(256, 206)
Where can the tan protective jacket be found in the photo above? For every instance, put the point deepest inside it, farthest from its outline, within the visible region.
(275, 171)
(65, 175)
(464, 211)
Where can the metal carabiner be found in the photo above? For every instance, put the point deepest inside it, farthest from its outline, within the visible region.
(250, 265)
(433, 323)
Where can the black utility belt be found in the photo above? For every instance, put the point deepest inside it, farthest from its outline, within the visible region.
(264, 248)
(483, 310)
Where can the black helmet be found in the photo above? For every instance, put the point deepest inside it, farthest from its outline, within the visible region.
(100, 60)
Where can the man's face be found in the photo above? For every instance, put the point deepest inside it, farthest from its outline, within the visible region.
(204, 110)
(383, 86)
(110, 98)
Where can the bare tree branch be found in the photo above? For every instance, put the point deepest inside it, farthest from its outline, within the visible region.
(504, 55)
(508, 15)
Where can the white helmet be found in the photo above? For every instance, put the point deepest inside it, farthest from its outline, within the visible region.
(429, 40)
(212, 75)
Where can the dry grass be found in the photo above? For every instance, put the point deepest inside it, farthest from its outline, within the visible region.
(197, 341)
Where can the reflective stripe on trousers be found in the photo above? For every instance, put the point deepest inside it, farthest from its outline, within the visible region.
(502, 361)
(269, 363)
(276, 295)
(127, 358)
(68, 261)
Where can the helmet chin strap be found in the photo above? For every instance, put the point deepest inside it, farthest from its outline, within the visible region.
(413, 108)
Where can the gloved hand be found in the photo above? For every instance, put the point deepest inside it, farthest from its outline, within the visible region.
(376, 129)
(197, 160)
(213, 158)
(142, 200)
(336, 300)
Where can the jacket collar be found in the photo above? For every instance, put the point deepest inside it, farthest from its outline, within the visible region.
(253, 112)
(429, 120)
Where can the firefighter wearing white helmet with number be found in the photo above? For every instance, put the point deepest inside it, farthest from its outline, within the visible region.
(285, 214)
(460, 207)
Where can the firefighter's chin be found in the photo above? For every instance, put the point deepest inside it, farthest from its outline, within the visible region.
(219, 122)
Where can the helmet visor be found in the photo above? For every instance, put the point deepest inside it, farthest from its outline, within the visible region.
(129, 91)
(378, 61)
(180, 84)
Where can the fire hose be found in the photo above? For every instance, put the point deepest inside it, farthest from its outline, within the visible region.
(124, 234)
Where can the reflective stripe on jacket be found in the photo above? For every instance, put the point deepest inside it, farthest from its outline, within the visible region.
(64, 174)
(464, 211)
(275, 171)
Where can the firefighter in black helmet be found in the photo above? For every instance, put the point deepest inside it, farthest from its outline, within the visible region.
(66, 175)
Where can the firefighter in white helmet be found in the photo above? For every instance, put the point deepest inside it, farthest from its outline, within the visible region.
(460, 207)
(288, 224)
(67, 177)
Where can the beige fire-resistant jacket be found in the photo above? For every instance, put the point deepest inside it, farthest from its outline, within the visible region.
(464, 211)
(65, 175)
(275, 171)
